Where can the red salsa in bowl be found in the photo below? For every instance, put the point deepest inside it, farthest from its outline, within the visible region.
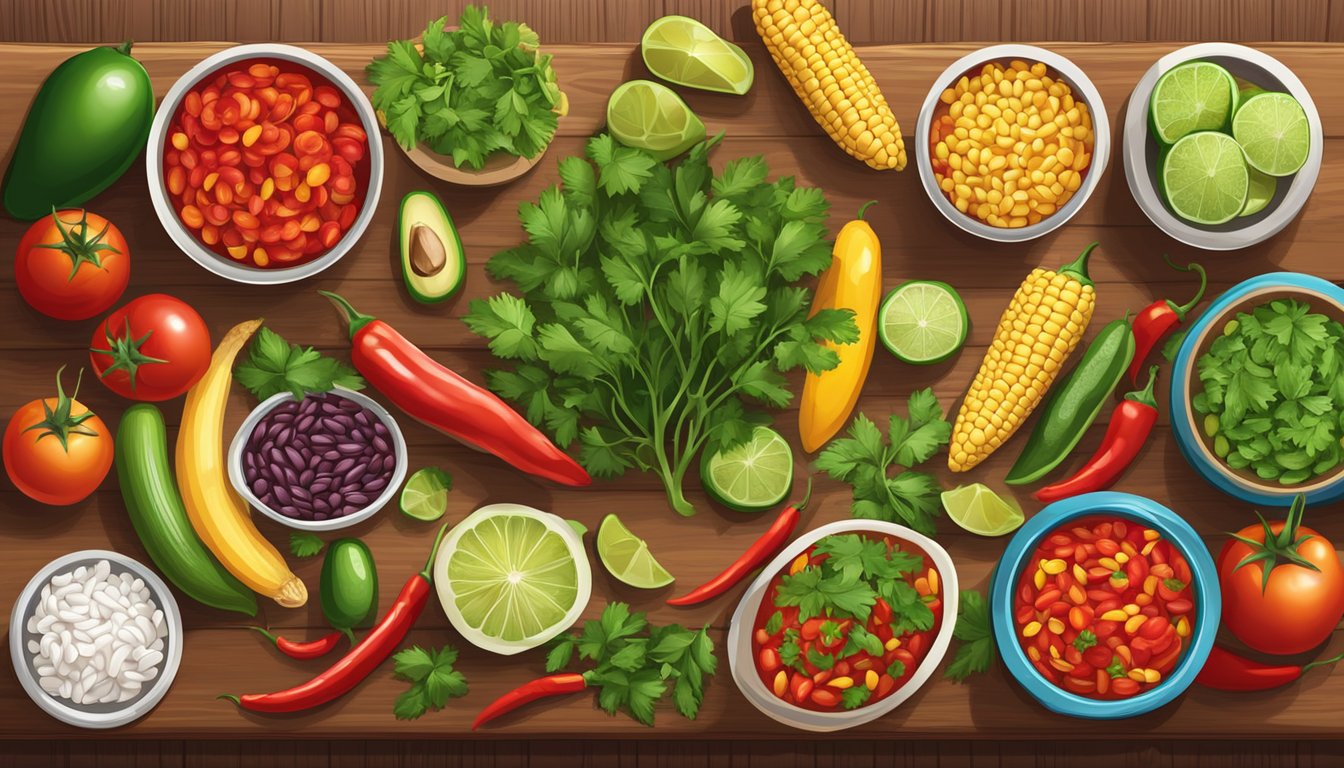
(847, 623)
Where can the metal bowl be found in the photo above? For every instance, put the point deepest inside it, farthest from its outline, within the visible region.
(109, 715)
(184, 239)
(1141, 150)
(1083, 90)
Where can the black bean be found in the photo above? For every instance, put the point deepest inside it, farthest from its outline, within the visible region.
(333, 425)
(260, 486)
(309, 405)
(350, 449)
(288, 511)
(363, 418)
(322, 439)
(305, 423)
(321, 485)
(376, 484)
(276, 456)
(330, 408)
(320, 505)
(357, 499)
(284, 436)
(343, 466)
(356, 435)
(319, 516)
(381, 445)
(280, 417)
(379, 428)
(291, 476)
(355, 473)
(306, 478)
(281, 494)
(350, 405)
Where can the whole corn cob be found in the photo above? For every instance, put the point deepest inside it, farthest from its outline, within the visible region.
(1041, 327)
(837, 89)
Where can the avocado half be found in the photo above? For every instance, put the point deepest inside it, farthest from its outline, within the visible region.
(431, 252)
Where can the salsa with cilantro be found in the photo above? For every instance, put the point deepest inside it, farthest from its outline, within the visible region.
(848, 622)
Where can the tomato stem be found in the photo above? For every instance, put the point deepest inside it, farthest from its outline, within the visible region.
(78, 245)
(1278, 548)
(125, 353)
(58, 422)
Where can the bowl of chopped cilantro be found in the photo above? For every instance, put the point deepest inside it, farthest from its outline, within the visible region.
(843, 625)
(1257, 391)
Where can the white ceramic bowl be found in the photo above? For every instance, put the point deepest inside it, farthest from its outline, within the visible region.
(184, 239)
(742, 661)
(239, 481)
(1083, 90)
(1140, 150)
(94, 715)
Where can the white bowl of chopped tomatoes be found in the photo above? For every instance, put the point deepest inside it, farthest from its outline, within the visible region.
(265, 163)
(844, 625)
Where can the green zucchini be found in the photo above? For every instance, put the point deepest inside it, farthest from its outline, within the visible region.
(156, 512)
(349, 585)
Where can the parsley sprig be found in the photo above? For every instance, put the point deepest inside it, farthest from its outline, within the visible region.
(274, 365)
(432, 677)
(976, 651)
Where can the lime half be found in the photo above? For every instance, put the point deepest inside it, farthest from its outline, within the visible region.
(981, 511)
(512, 577)
(1262, 188)
(753, 476)
(684, 51)
(1204, 178)
(1196, 96)
(425, 495)
(1272, 129)
(923, 322)
(646, 115)
(627, 556)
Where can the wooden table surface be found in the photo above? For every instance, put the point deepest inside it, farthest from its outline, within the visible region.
(220, 655)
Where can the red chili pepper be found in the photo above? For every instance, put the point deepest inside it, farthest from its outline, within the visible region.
(449, 403)
(310, 649)
(1131, 423)
(764, 547)
(360, 661)
(1226, 671)
(1158, 319)
(541, 688)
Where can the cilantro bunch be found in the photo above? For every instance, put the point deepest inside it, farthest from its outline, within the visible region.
(658, 304)
(432, 677)
(1273, 392)
(273, 365)
(477, 90)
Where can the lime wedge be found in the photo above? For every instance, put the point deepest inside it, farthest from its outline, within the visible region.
(1204, 178)
(627, 557)
(753, 476)
(1195, 96)
(511, 577)
(650, 116)
(1262, 188)
(1272, 129)
(923, 322)
(981, 511)
(425, 495)
(686, 52)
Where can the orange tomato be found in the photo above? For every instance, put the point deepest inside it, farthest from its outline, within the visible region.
(56, 450)
(72, 265)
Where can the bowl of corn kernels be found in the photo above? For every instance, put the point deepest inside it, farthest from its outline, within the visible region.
(1016, 139)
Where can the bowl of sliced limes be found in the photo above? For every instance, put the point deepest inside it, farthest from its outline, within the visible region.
(1222, 145)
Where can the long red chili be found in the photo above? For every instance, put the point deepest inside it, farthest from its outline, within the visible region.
(1131, 423)
(760, 551)
(541, 688)
(449, 403)
(360, 661)
(1226, 671)
(310, 649)
(1158, 319)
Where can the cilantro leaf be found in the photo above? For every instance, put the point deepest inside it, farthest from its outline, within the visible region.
(274, 365)
(432, 677)
(304, 544)
(855, 696)
(817, 593)
(975, 638)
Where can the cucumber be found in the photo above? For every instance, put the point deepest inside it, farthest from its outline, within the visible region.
(349, 585)
(156, 512)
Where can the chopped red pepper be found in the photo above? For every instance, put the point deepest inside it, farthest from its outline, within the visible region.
(1158, 319)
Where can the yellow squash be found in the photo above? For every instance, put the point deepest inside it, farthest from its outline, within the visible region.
(853, 281)
(215, 509)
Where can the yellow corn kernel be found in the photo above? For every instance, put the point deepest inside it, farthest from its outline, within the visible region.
(251, 135)
(1033, 653)
(1150, 584)
(1079, 573)
(267, 188)
(842, 682)
(1031, 629)
(237, 251)
(1054, 567)
(1131, 609)
(799, 563)
(1183, 627)
(1137, 675)
(1115, 614)
(180, 141)
(933, 581)
(782, 682)
(892, 644)
(1056, 626)
(1122, 557)
(1148, 548)
(260, 258)
(1039, 578)
(1133, 623)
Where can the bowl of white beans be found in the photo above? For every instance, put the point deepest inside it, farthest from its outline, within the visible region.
(96, 639)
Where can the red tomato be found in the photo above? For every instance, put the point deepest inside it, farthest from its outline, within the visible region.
(154, 348)
(56, 451)
(1297, 608)
(72, 265)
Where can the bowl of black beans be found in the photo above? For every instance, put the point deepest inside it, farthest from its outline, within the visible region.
(327, 461)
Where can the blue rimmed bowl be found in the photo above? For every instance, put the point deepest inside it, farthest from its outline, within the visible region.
(1208, 602)
(1323, 297)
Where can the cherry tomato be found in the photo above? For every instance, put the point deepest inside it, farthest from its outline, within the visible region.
(154, 348)
(56, 450)
(72, 265)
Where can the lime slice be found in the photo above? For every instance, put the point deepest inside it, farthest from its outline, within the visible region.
(981, 511)
(923, 322)
(1204, 178)
(1196, 96)
(1262, 188)
(1272, 129)
(511, 577)
(627, 557)
(425, 495)
(650, 116)
(686, 52)
(754, 476)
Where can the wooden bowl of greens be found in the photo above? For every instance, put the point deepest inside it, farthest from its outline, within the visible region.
(1257, 392)
(461, 115)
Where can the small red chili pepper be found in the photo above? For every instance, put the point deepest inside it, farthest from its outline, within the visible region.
(541, 688)
(360, 661)
(449, 403)
(310, 649)
(1226, 671)
(1131, 423)
(764, 547)
(1158, 319)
